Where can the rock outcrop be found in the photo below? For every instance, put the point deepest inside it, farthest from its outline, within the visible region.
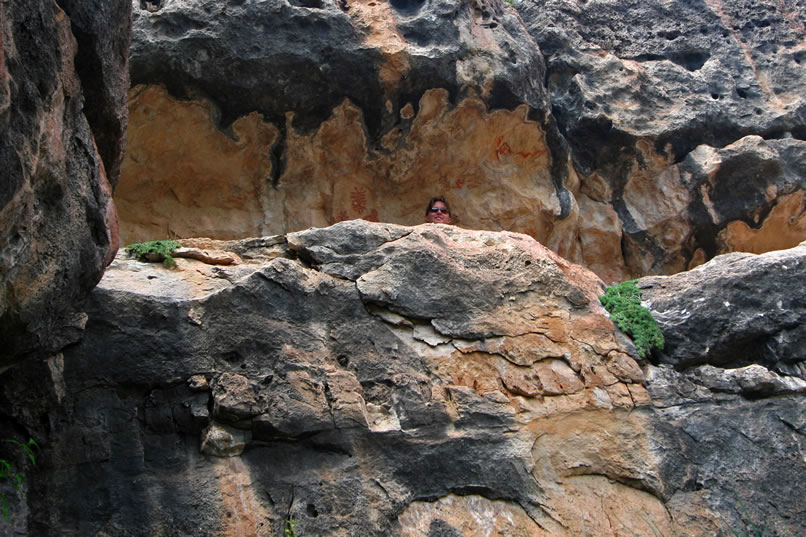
(664, 106)
(256, 118)
(633, 139)
(63, 110)
(374, 379)
(729, 390)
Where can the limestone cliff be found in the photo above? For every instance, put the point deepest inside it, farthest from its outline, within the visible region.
(371, 379)
(377, 380)
(63, 86)
(638, 138)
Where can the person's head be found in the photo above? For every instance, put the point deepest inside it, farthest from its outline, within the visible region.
(438, 211)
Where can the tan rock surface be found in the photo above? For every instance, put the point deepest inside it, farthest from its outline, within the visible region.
(197, 181)
(192, 180)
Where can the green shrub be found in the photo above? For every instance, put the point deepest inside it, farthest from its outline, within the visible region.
(154, 251)
(8, 473)
(623, 301)
(290, 528)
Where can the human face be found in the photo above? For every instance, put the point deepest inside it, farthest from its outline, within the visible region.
(439, 214)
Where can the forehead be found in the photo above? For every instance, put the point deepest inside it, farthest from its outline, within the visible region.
(438, 204)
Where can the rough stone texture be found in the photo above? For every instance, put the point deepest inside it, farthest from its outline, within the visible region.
(366, 379)
(634, 138)
(662, 104)
(63, 84)
(730, 412)
(284, 133)
(737, 309)
(378, 380)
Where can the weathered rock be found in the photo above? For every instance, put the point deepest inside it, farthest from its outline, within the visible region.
(221, 440)
(642, 91)
(373, 379)
(354, 377)
(726, 448)
(274, 135)
(63, 83)
(737, 309)
(684, 124)
(729, 414)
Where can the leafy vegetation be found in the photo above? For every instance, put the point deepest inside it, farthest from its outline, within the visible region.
(154, 251)
(623, 301)
(8, 473)
(290, 528)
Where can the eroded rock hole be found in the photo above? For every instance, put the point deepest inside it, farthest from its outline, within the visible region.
(691, 61)
(407, 6)
(152, 5)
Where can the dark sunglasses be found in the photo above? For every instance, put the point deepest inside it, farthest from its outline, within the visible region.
(442, 210)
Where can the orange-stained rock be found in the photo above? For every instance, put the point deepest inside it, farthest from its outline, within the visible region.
(63, 84)
(192, 180)
(600, 239)
(783, 228)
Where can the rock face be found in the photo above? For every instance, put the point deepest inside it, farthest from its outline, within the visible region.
(729, 392)
(364, 379)
(376, 380)
(63, 84)
(631, 138)
(664, 105)
(734, 306)
(274, 117)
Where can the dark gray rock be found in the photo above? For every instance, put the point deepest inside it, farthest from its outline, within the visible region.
(730, 433)
(737, 309)
(692, 72)
(739, 458)
(307, 57)
(63, 83)
(638, 86)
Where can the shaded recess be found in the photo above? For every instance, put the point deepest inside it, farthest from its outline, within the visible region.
(627, 77)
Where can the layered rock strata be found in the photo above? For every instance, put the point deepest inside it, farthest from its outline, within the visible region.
(373, 379)
(633, 139)
(63, 87)
(364, 379)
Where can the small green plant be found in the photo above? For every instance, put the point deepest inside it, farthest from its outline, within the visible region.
(290, 528)
(154, 251)
(8, 473)
(623, 301)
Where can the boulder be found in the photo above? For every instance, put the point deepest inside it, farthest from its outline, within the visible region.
(728, 389)
(736, 310)
(686, 119)
(362, 379)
